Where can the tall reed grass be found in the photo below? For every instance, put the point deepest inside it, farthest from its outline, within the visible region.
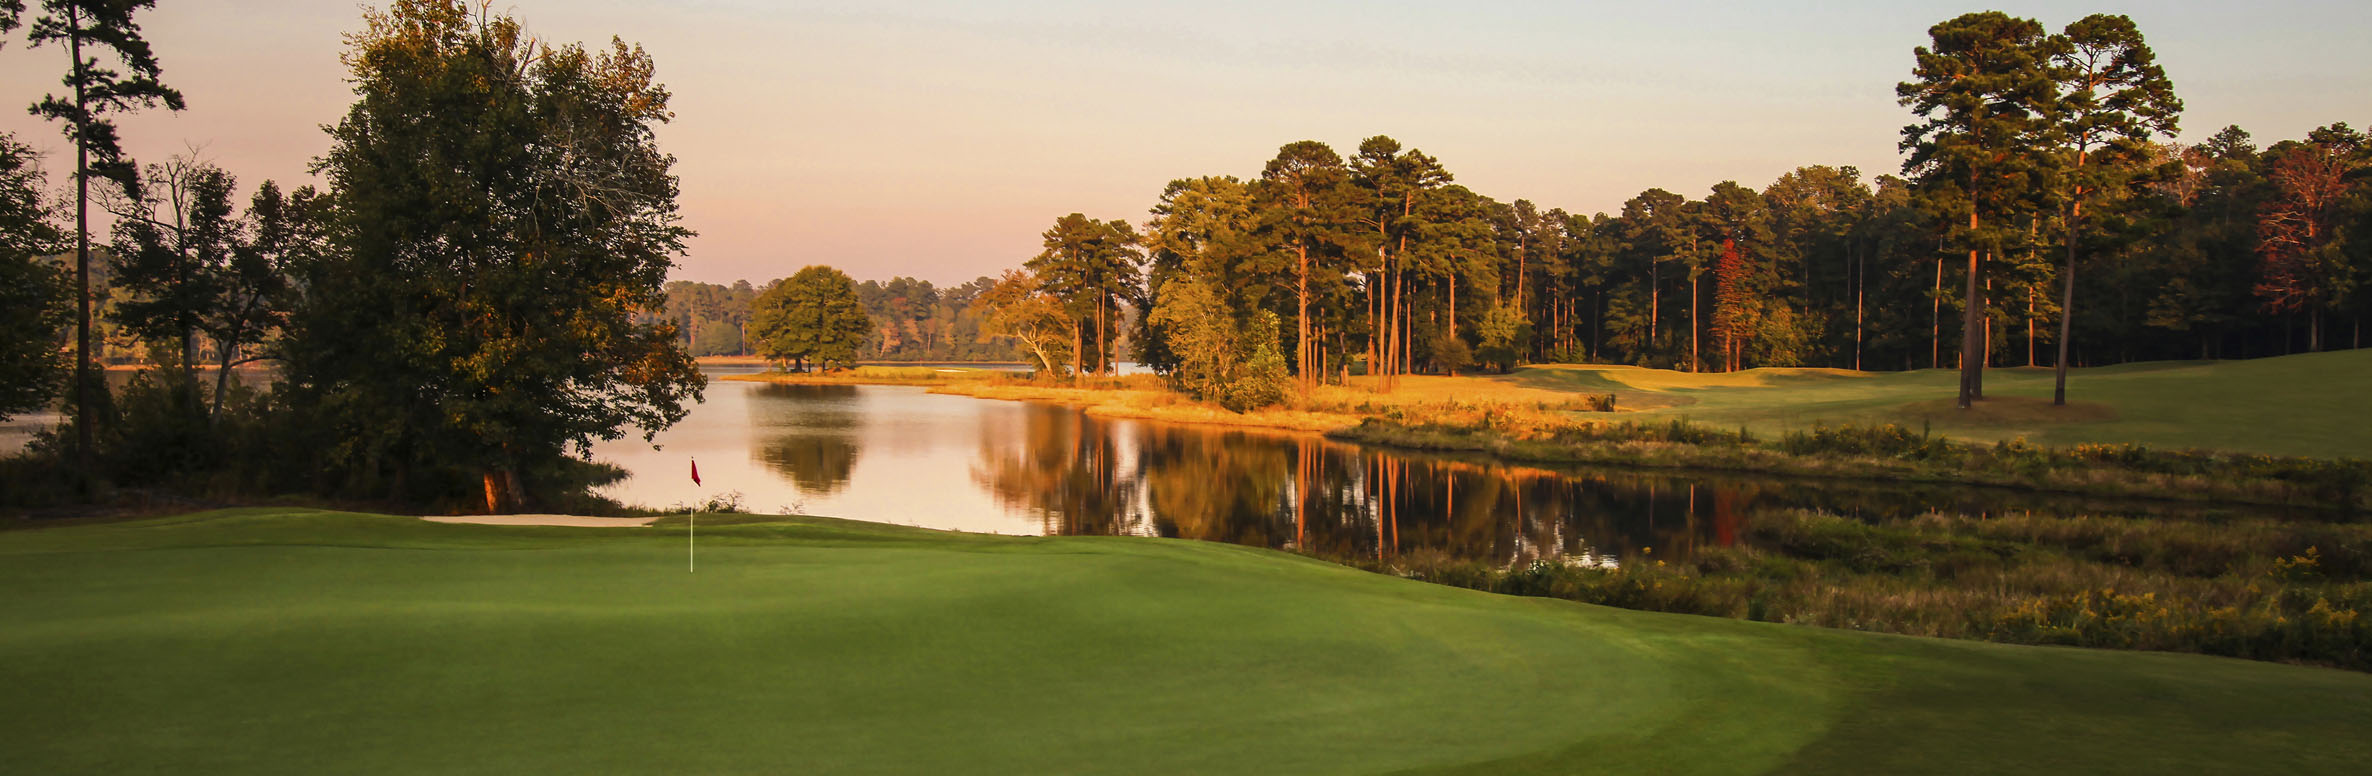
(2260, 589)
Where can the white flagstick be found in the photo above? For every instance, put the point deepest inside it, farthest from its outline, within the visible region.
(692, 529)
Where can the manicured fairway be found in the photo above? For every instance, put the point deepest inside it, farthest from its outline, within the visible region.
(290, 641)
(2307, 405)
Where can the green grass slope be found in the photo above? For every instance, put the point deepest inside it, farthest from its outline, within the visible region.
(2305, 405)
(290, 641)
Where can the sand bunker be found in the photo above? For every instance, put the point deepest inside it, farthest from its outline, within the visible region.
(577, 521)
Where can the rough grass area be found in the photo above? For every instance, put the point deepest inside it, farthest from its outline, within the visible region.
(286, 641)
(2310, 405)
(2263, 589)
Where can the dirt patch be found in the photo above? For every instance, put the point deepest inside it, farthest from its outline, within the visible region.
(573, 521)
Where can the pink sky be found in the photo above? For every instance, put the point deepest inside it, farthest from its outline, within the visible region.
(938, 139)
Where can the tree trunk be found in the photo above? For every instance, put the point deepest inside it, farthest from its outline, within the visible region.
(1375, 316)
(1693, 364)
(1453, 305)
(1861, 289)
(1935, 320)
(496, 487)
(82, 264)
(1395, 314)
(1985, 313)
(2075, 219)
(1655, 288)
(1972, 362)
(1301, 316)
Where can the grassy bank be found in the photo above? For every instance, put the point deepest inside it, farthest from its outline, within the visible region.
(1328, 408)
(1889, 453)
(2263, 431)
(295, 641)
(2308, 405)
(2261, 589)
(1142, 396)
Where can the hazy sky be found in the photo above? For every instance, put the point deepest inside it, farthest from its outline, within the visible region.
(939, 139)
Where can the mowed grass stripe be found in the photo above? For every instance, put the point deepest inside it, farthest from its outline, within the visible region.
(297, 641)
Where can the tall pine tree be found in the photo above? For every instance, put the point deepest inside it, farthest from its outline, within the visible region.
(88, 30)
(1984, 99)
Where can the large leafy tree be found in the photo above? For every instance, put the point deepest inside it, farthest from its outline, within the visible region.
(173, 238)
(1224, 355)
(2114, 98)
(1984, 99)
(33, 306)
(1207, 221)
(2304, 264)
(1018, 307)
(504, 213)
(810, 317)
(88, 30)
(254, 290)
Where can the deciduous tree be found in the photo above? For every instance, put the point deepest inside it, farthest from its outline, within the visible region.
(504, 216)
(33, 295)
(2303, 265)
(1020, 308)
(811, 316)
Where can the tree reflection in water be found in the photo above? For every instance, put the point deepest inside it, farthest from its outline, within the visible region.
(973, 464)
(1084, 475)
(809, 433)
(1064, 468)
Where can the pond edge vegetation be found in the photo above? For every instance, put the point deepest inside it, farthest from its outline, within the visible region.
(2275, 590)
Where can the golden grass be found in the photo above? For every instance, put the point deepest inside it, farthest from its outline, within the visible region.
(875, 375)
(1326, 408)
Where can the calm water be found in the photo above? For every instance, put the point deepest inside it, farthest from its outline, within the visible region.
(18, 431)
(901, 455)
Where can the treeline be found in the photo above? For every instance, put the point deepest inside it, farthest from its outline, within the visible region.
(906, 320)
(2033, 156)
(449, 334)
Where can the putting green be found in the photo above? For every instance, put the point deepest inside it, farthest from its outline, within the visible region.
(297, 641)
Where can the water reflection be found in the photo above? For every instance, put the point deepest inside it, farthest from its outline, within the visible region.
(809, 433)
(901, 455)
(1082, 475)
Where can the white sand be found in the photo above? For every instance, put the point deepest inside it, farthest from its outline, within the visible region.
(577, 521)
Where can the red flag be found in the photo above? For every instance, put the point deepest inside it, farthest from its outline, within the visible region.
(695, 471)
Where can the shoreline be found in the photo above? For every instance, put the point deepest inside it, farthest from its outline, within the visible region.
(1478, 428)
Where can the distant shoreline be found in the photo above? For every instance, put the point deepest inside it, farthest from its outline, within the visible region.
(761, 361)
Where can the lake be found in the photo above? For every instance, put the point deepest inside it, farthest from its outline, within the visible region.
(896, 454)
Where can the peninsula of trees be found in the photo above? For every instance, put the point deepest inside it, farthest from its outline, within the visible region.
(2043, 217)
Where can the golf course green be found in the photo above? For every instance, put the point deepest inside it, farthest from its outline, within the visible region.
(301, 641)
